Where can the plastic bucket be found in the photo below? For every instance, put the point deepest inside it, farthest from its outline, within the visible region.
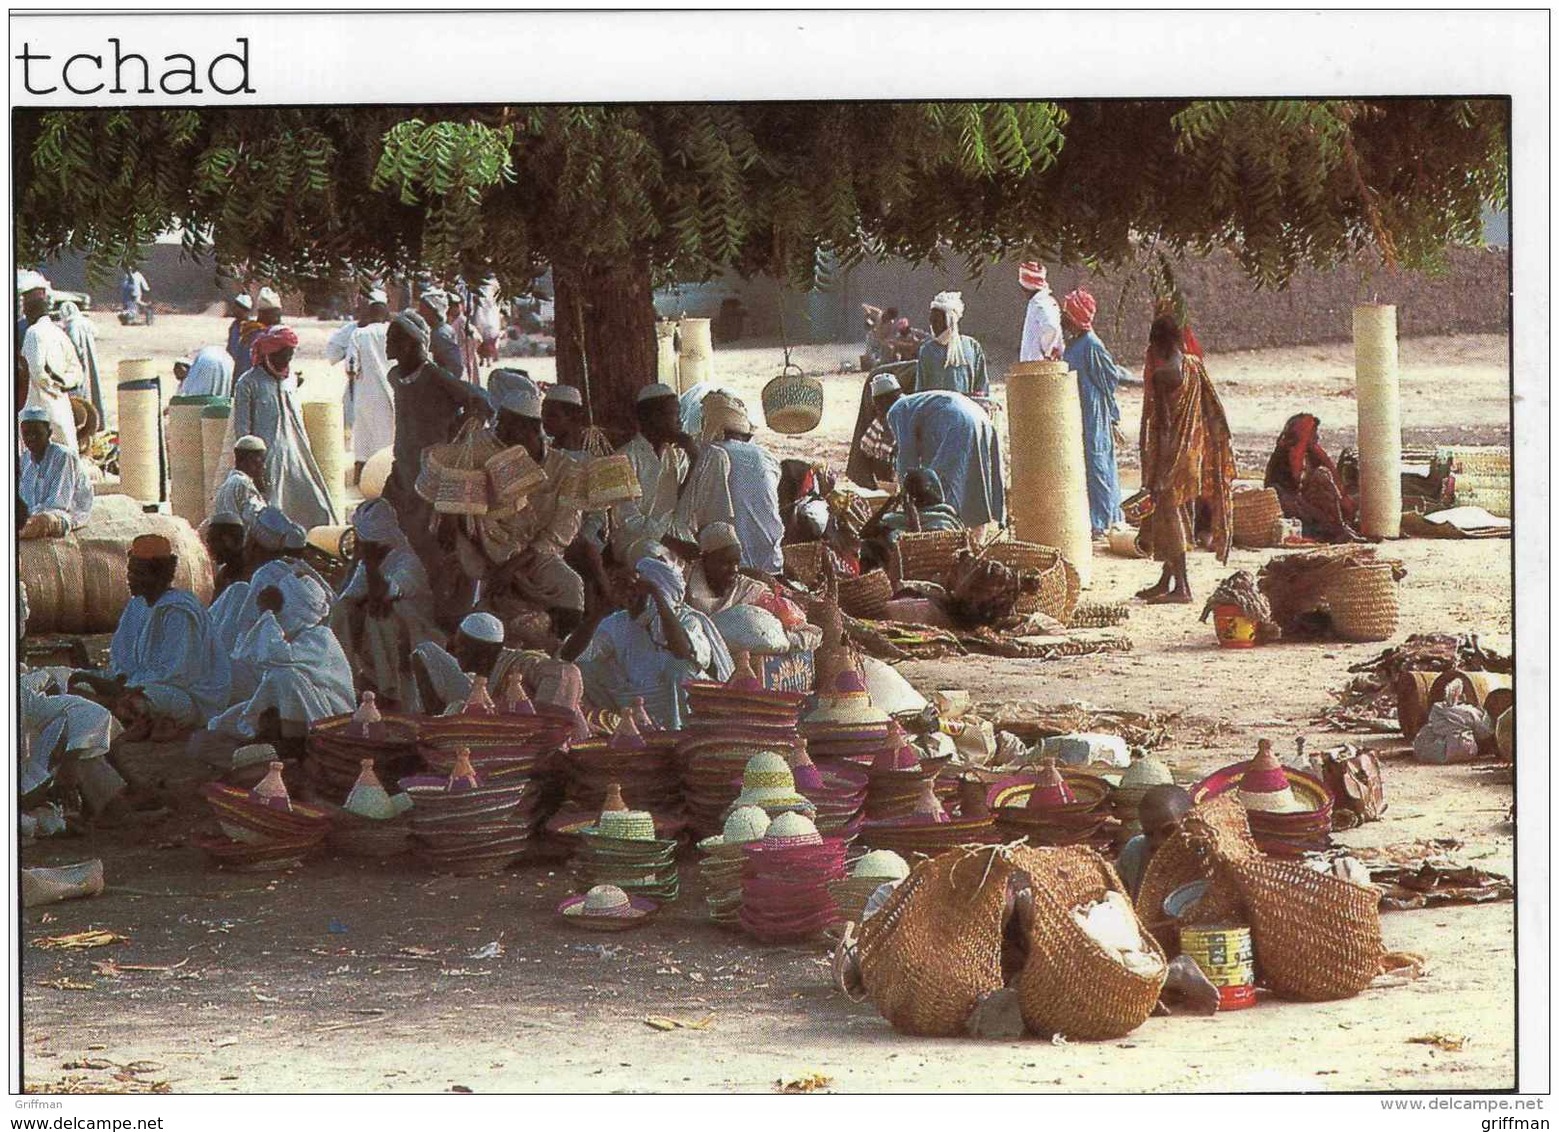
(1234, 629)
(1226, 957)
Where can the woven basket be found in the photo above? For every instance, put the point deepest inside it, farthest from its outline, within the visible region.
(609, 480)
(1219, 824)
(1362, 601)
(793, 402)
(1059, 584)
(804, 562)
(927, 556)
(1070, 985)
(453, 476)
(934, 947)
(1317, 938)
(1255, 513)
(865, 596)
(512, 475)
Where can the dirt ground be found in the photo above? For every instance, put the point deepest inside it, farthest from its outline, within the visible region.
(354, 977)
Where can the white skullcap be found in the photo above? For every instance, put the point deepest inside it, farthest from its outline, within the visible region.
(885, 383)
(483, 627)
(377, 295)
(244, 301)
(269, 300)
(249, 444)
(30, 281)
(717, 536)
(33, 413)
(655, 392)
(437, 300)
(514, 391)
(566, 394)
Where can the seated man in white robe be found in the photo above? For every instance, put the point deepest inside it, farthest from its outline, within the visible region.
(715, 582)
(445, 675)
(385, 610)
(225, 541)
(753, 475)
(243, 492)
(167, 673)
(53, 484)
(64, 746)
(303, 674)
(517, 555)
(652, 648)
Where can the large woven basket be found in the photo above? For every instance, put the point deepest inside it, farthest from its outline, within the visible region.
(453, 476)
(1219, 824)
(793, 402)
(804, 562)
(1059, 583)
(865, 596)
(1255, 517)
(1362, 601)
(1070, 985)
(927, 556)
(513, 474)
(934, 947)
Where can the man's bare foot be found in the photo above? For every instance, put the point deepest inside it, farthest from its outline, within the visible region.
(1178, 597)
(1155, 591)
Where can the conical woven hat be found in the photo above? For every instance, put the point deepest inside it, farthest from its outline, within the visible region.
(271, 790)
(463, 775)
(1051, 790)
(1264, 786)
(614, 799)
(627, 737)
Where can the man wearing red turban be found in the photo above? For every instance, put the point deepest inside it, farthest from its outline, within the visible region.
(1097, 378)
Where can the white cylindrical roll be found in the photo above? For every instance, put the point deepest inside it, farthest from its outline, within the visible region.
(666, 362)
(695, 356)
(1049, 496)
(690, 371)
(213, 430)
(1380, 420)
(186, 460)
(140, 439)
(326, 428)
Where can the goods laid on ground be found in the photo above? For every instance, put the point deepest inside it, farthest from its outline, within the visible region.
(468, 825)
(1345, 592)
(372, 822)
(607, 908)
(1058, 806)
(262, 829)
(621, 849)
(1289, 811)
(720, 867)
(1257, 516)
(869, 873)
(785, 881)
(1145, 772)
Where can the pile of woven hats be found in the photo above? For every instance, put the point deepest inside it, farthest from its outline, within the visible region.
(844, 723)
(465, 824)
(1055, 808)
(867, 875)
(785, 894)
(1290, 812)
(262, 828)
(770, 784)
(336, 747)
(729, 724)
(720, 868)
(928, 829)
(621, 849)
(643, 765)
(838, 790)
(897, 771)
(371, 822)
(501, 747)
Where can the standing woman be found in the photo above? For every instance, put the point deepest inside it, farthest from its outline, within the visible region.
(1187, 457)
(265, 404)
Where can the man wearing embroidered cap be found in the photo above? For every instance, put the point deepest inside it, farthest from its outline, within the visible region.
(166, 674)
(385, 609)
(53, 484)
(53, 367)
(265, 405)
(1097, 379)
(1042, 340)
(517, 554)
(243, 492)
(950, 360)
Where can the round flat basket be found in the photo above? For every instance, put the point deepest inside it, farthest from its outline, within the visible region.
(865, 596)
(1362, 601)
(793, 402)
(927, 556)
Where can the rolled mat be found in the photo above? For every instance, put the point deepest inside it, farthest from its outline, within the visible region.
(326, 427)
(140, 439)
(666, 359)
(213, 430)
(1049, 490)
(690, 371)
(186, 458)
(1380, 420)
(376, 473)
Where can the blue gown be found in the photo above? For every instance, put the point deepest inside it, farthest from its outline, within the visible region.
(952, 436)
(1097, 377)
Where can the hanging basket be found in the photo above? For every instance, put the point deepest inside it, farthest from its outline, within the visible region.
(453, 476)
(610, 480)
(512, 475)
(793, 402)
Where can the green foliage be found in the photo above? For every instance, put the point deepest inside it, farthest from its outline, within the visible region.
(799, 190)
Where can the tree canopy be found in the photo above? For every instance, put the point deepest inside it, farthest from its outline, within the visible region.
(761, 187)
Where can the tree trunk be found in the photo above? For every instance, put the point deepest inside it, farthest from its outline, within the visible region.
(615, 357)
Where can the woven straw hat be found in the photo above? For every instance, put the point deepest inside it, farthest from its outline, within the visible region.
(791, 829)
(881, 864)
(607, 902)
(626, 825)
(1265, 787)
(848, 702)
(767, 781)
(746, 823)
(1051, 791)
(1145, 772)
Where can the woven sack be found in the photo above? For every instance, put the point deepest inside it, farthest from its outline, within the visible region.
(1070, 984)
(927, 556)
(1255, 513)
(1059, 583)
(934, 947)
(1362, 601)
(1219, 825)
(865, 596)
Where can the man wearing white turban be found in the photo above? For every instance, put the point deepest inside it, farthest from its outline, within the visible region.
(951, 360)
(715, 582)
(653, 648)
(53, 366)
(386, 608)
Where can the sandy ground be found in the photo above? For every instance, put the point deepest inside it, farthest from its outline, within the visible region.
(304, 982)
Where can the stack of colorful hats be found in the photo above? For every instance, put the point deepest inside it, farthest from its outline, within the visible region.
(1290, 812)
(730, 723)
(464, 824)
(501, 748)
(642, 765)
(607, 908)
(1145, 772)
(844, 724)
(621, 849)
(928, 829)
(336, 747)
(867, 875)
(897, 771)
(721, 867)
(372, 822)
(770, 784)
(1055, 808)
(837, 790)
(785, 896)
(262, 828)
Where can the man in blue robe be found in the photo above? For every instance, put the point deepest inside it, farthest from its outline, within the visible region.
(1097, 378)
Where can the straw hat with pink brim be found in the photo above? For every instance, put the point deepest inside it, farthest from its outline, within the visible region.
(767, 781)
(606, 908)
